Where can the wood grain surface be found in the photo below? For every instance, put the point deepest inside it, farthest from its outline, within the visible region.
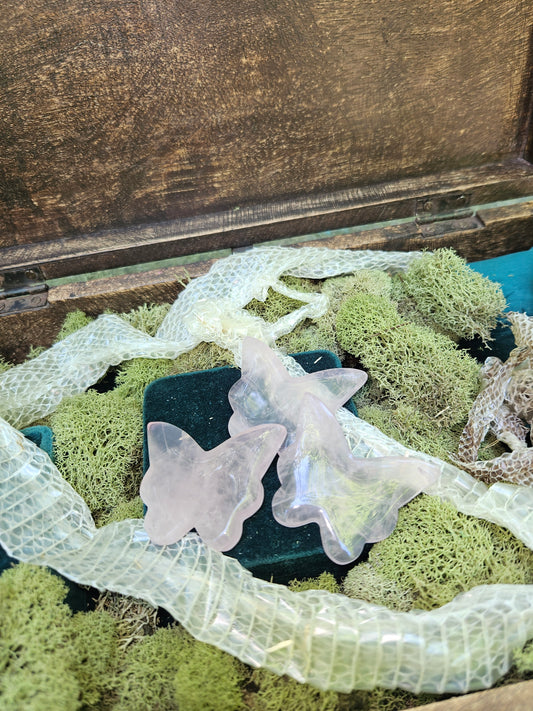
(518, 697)
(123, 114)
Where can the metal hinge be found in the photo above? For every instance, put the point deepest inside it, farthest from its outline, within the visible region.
(22, 291)
(442, 213)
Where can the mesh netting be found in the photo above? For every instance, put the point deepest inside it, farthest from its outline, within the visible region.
(329, 640)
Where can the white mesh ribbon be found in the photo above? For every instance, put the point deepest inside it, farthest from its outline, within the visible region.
(329, 640)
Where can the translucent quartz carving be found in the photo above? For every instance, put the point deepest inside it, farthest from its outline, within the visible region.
(354, 500)
(267, 393)
(186, 487)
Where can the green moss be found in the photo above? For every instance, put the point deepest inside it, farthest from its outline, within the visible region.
(435, 553)
(133, 376)
(325, 581)
(409, 363)
(4, 365)
(95, 656)
(523, 660)
(146, 679)
(209, 679)
(124, 510)
(284, 694)
(73, 322)
(369, 281)
(365, 582)
(394, 700)
(455, 297)
(411, 428)
(171, 670)
(203, 357)
(35, 351)
(135, 619)
(50, 659)
(147, 317)
(98, 448)
(34, 671)
(277, 305)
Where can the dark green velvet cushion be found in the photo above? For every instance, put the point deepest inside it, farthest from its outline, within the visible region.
(198, 403)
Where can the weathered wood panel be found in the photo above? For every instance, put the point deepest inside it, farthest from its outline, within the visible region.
(492, 232)
(115, 114)
(518, 697)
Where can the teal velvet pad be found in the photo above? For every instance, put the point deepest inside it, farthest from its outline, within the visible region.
(514, 272)
(198, 403)
(41, 436)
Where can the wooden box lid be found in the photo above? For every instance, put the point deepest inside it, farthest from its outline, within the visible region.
(146, 129)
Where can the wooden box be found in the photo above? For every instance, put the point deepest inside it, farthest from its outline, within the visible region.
(148, 130)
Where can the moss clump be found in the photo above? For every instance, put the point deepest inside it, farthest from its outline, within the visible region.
(311, 336)
(435, 553)
(123, 511)
(133, 376)
(147, 317)
(325, 581)
(95, 656)
(364, 582)
(409, 363)
(4, 365)
(204, 356)
(411, 428)
(523, 660)
(98, 448)
(73, 322)
(277, 305)
(34, 669)
(170, 670)
(145, 680)
(209, 679)
(368, 281)
(50, 658)
(454, 297)
(134, 618)
(390, 700)
(284, 694)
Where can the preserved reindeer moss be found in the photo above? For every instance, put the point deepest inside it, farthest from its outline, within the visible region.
(311, 336)
(364, 582)
(98, 448)
(50, 658)
(435, 553)
(523, 660)
(170, 670)
(95, 656)
(325, 581)
(284, 694)
(147, 317)
(204, 356)
(4, 365)
(411, 428)
(369, 281)
(133, 376)
(73, 322)
(276, 305)
(145, 680)
(454, 297)
(126, 509)
(208, 679)
(409, 363)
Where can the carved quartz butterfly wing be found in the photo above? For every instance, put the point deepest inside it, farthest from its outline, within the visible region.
(213, 491)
